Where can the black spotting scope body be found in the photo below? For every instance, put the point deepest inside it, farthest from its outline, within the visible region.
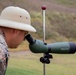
(38, 46)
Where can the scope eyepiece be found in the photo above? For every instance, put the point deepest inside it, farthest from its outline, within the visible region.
(29, 39)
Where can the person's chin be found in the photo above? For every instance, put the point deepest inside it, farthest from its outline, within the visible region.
(13, 47)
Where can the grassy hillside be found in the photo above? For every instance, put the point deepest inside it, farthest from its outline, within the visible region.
(58, 25)
(70, 3)
(34, 5)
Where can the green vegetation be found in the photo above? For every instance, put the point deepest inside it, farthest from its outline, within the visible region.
(59, 26)
(71, 3)
(67, 3)
(29, 65)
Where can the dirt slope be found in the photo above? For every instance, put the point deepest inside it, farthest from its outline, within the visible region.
(34, 5)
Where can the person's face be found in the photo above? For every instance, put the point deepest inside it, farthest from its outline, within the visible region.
(17, 40)
(16, 37)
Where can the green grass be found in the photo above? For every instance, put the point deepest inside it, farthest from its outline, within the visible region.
(30, 65)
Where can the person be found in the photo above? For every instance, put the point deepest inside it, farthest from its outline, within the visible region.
(14, 26)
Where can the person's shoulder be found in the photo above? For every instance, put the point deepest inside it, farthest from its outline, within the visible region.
(1, 53)
(2, 45)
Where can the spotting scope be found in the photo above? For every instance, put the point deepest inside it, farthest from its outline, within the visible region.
(38, 46)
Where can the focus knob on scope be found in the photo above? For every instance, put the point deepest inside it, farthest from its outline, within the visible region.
(38, 46)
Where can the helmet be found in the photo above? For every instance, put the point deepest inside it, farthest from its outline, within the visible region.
(17, 18)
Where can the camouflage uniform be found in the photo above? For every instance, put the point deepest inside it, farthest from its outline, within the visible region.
(4, 54)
